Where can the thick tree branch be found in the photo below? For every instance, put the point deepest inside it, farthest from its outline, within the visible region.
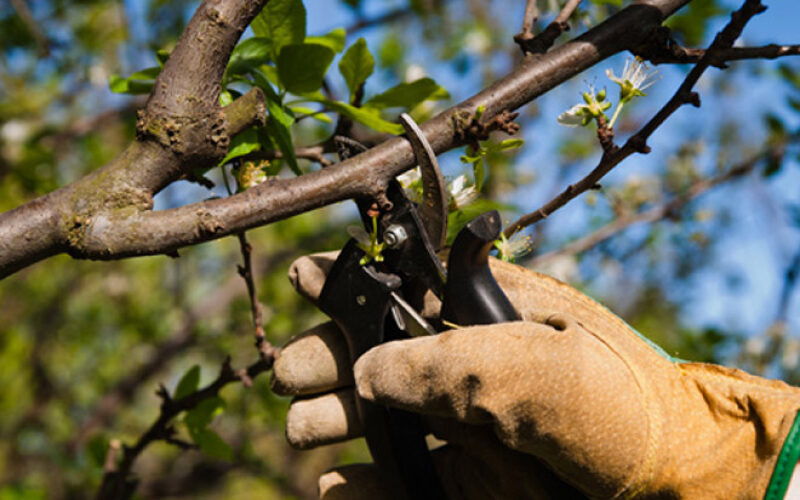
(637, 143)
(117, 481)
(182, 126)
(124, 233)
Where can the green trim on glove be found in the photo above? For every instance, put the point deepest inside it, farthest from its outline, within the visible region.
(787, 460)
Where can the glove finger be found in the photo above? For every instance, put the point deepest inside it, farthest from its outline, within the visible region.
(308, 273)
(442, 375)
(313, 362)
(464, 476)
(353, 482)
(321, 420)
(555, 391)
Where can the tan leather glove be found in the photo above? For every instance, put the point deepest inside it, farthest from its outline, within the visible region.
(571, 395)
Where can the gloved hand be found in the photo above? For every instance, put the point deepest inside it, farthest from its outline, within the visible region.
(569, 397)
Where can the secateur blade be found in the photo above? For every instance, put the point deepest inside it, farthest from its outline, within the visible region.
(433, 209)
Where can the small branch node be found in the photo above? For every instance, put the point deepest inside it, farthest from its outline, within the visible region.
(692, 98)
(110, 464)
(469, 129)
(244, 377)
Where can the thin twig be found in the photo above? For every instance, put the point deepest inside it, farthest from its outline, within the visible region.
(28, 20)
(125, 389)
(392, 15)
(669, 52)
(118, 482)
(265, 349)
(529, 19)
(540, 43)
(638, 142)
(311, 153)
(665, 210)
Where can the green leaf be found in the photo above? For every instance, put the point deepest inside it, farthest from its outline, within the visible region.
(243, 144)
(146, 74)
(356, 65)
(458, 219)
(279, 125)
(333, 39)
(408, 95)
(302, 67)
(249, 54)
(188, 383)
(211, 444)
(201, 415)
(775, 125)
(97, 449)
(283, 22)
(510, 144)
(225, 98)
(279, 122)
(479, 171)
(313, 113)
(197, 421)
(366, 116)
(789, 74)
(794, 104)
(140, 82)
(391, 51)
(162, 55)
(692, 23)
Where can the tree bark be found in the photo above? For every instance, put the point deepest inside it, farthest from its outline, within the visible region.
(108, 215)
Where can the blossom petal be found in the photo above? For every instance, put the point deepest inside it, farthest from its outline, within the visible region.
(572, 117)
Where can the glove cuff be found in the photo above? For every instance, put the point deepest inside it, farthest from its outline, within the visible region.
(787, 461)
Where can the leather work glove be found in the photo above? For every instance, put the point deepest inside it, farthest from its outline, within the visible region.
(570, 401)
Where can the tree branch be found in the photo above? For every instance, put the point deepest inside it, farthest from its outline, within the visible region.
(114, 234)
(117, 481)
(28, 20)
(185, 336)
(540, 43)
(182, 126)
(668, 209)
(529, 18)
(637, 143)
(661, 48)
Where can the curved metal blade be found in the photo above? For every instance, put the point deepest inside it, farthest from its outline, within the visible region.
(433, 208)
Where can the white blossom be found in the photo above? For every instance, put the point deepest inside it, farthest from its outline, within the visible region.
(573, 117)
(636, 77)
(510, 249)
(461, 194)
(410, 177)
(414, 72)
(594, 105)
(477, 42)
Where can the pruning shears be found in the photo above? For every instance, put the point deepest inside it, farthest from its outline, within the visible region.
(375, 302)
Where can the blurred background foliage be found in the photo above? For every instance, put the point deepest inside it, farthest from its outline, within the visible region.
(702, 262)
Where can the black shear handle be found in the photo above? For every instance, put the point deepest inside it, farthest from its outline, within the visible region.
(357, 299)
(471, 295)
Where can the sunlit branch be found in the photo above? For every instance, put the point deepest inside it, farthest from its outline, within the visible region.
(637, 143)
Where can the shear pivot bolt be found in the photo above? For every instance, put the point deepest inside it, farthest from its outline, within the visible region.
(361, 300)
(394, 236)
